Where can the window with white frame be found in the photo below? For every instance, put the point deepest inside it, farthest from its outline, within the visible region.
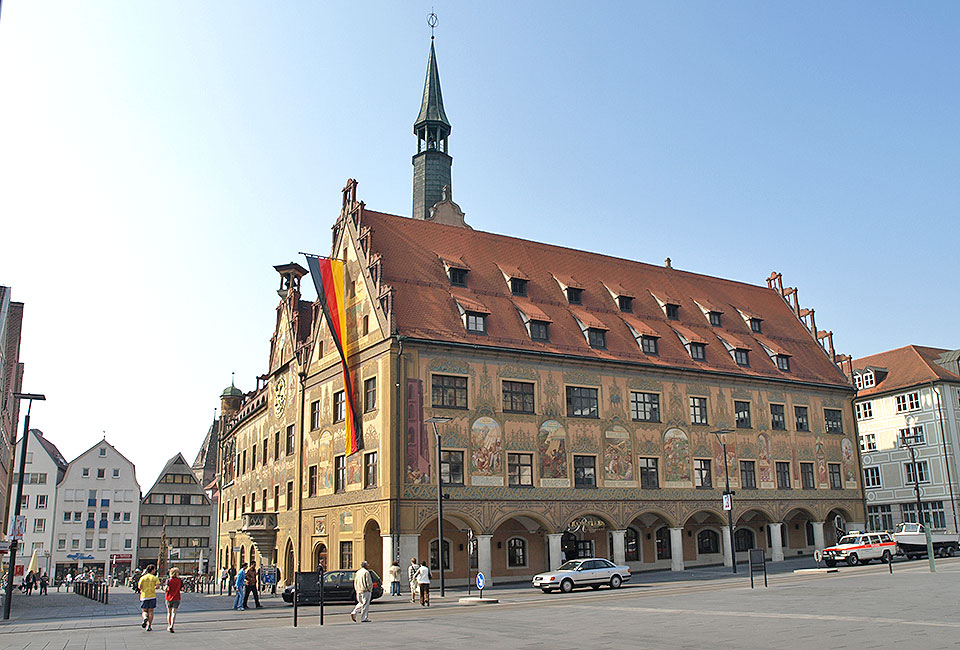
(880, 517)
(908, 402)
(932, 510)
(858, 381)
(921, 474)
(869, 380)
(914, 435)
(41, 501)
(864, 410)
(868, 442)
(871, 477)
(39, 525)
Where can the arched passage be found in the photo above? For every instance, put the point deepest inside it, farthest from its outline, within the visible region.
(587, 534)
(320, 556)
(652, 548)
(751, 531)
(288, 563)
(703, 541)
(373, 546)
(519, 547)
(798, 531)
(837, 522)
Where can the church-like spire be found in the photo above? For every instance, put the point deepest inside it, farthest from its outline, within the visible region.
(432, 162)
(431, 110)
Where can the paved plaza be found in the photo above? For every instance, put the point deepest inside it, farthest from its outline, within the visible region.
(862, 607)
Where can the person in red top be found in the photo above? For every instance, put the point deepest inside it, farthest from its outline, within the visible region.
(174, 584)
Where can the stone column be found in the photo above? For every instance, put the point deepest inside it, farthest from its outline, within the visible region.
(554, 541)
(409, 548)
(484, 559)
(676, 549)
(776, 541)
(727, 549)
(388, 554)
(619, 554)
(818, 535)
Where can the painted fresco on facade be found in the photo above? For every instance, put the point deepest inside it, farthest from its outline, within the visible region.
(731, 460)
(676, 453)
(320, 525)
(849, 461)
(821, 456)
(346, 522)
(764, 466)
(486, 457)
(552, 440)
(418, 448)
(617, 455)
(354, 469)
(325, 468)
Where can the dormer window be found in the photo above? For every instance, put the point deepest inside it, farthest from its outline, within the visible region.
(672, 311)
(539, 330)
(476, 322)
(716, 318)
(698, 351)
(742, 357)
(458, 277)
(597, 338)
(625, 303)
(756, 325)
(783, 362)
(574, 296)
(649, 345)
(518, 286)
(869, 379)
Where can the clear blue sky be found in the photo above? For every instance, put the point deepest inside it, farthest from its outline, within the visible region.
(157, 158)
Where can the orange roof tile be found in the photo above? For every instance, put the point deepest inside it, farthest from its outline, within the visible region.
(735, 341)
(512, 271)
(469, 303)
(531, 310)
(588, 319)
(907, 367)
(639, 326)
(690, 335)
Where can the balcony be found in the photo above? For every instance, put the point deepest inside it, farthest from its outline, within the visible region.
(261, 528)
(91, 523)
(104, 503)
(92, 503)
(103, 523)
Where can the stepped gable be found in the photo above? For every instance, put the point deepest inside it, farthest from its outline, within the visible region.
(425, 304)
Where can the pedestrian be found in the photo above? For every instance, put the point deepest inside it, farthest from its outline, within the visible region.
(393, 573)
(250, 586)
(238, 585)
(363, 586)
(174, 585)
(423, 581)
(276, 580)
(44, 583)
(413, 571)
(69, 581)
(148, 596)
(224, 581)
(233, 579)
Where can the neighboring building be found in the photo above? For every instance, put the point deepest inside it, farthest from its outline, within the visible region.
(98, 508)
(44, 470)
(913, 390)
(11, 379)
(582, 391)
(177, 512)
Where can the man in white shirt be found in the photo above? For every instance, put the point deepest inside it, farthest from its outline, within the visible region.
(363, 585)
(423, 581)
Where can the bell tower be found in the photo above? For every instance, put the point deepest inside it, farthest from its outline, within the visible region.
(432, 162)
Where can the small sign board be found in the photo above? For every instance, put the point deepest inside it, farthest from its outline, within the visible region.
(758, 563)
(727, 502)
(269, 575)
(481, 581)
(18, 527)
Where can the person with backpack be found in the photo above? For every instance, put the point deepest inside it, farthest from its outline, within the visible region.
(174, 585)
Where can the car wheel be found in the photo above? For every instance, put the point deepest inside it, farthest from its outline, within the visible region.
(615, 582)
(887, 558)
(853, 559)
(830, 563)
(566, 586)
(950, 552)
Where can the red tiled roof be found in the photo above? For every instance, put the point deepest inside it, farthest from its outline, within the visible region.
(907, 367)
(588, 319)
(690, 335)
(468, 302)
(639, 326)
(512, 271)
(531, 310)
(774, 347)
(411, 249)
(735, 341)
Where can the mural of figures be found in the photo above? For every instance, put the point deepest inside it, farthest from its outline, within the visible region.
(486, 458)
(731, 460)
(355, 469)
(325, 473)
(821, 455)
(552, 440)
(849, 462)
(346, 522)
(764, 466)
(418, 447)
(676, 453)
(617, 455)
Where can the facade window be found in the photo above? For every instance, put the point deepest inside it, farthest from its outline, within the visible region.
(574, 296)
(346, 555)
(314, 418)
(649, 473)
(265, 448)
(649, 345)
(701, 473)
(516, 553)
(698, 410)
(370, 469)
(101, 472)
(582, 402)
(449, 392)
(339, 473)
(778, 418)
(584, 471)
(539, 330)
(458, 277)
(369, 394)
(858, 381)
(664, 549)
(518, 286)
(834, 420)
(625, 303)
(276, 498)
(716, 318)
(869, 380)
(912, 436)
(932, 513)
(41, 501)
(476, 322)
(85, 472)
(908, 402)
(39, 525)
(597, 338)
(253, 457)
(645, 407)
(263, 502)
(698, 351)
(807, 476)
(871, 477)
(339, 406)
(742, 413)
(276, 446)
(743, 540)
(864, 410)
(290, 440)
(631, 545)
(802, 417)
(520, 469)
(917, 472)
(783, 362)
(742, 357)
(451, 467)
(311, 483)
(116, 472)
(708, 542)
(836, 479)
(880, 517)
(434, 561)
(517, 397)
(783, 475)
(756, 325)
(748, 474)
(868, 441)
(672, 311)
(289, 495)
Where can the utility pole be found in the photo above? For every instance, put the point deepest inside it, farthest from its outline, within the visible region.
(728, 494)
(436, 432)
(916, 490)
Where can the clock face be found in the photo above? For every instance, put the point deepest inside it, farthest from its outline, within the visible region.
(279, 395)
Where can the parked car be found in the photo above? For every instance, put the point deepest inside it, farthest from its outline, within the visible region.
(592, 571)
(337, 588)
(859, 548)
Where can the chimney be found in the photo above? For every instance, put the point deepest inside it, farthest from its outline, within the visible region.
(667, 263)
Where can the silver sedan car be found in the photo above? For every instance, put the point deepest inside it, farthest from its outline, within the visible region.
(591, 571)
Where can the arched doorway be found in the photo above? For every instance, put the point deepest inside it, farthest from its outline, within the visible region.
(799, 537)
(320, 556)
(652, 548)
(288, 564)
(242, 555)
(703, 543)
(836, 525)
(519, 547)
(587, 535)
(373, 546)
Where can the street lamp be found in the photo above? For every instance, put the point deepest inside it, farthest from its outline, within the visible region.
(719, 433)
(16, 512)
(435, 421)
(910, 441)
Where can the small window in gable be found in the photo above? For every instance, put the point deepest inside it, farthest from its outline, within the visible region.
(756, 325)
(698, 351)
(574, 296)
(458, 277)
(716, 318)
(597, 338)
(476, 322)
(539, 330)
(625, 303)
(783, 362)
(742, 357)
(649, 345)
(869, 379)
(672, 311)
(518, 286)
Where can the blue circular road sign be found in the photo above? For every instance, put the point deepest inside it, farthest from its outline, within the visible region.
(480, 581)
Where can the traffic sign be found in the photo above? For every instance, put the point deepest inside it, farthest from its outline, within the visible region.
(727, 502)
(480, 581)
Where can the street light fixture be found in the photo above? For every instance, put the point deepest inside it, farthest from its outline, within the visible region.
(30, 397)
(435, 421)
(719, 433)
(910, 441)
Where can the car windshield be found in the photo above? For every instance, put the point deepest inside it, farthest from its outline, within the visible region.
(569, 566)
(850, 539)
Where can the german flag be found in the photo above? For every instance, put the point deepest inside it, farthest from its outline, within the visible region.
(329, 280)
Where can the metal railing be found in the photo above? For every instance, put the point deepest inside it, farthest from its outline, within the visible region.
(98, 591)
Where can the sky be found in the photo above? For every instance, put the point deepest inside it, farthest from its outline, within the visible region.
(158, 158)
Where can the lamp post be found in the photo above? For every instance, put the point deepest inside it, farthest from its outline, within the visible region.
(435, 421)
(719, 433)
(30, 397)
(910, 441)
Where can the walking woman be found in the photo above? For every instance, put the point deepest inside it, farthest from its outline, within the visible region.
(174, 585)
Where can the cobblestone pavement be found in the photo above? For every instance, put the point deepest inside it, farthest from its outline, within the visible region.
(862, 607)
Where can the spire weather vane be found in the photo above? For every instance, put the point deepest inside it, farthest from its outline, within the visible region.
(432, 21)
